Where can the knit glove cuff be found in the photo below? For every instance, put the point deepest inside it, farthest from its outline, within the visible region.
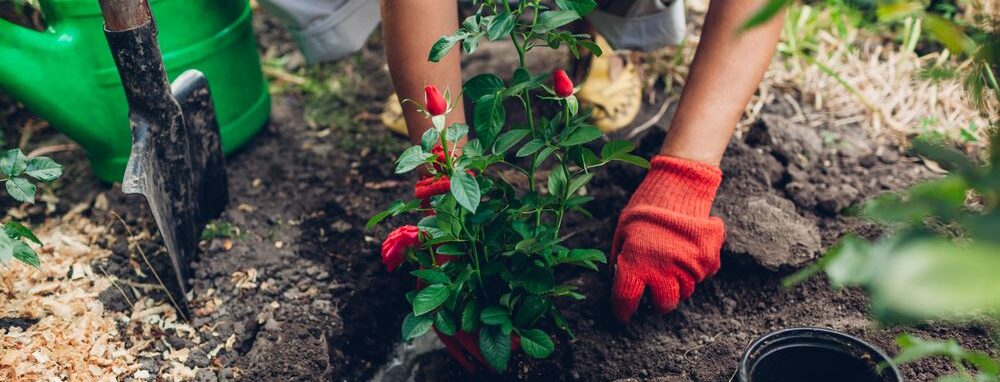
(679, 185)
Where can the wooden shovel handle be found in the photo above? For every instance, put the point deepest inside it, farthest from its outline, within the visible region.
(120, 15)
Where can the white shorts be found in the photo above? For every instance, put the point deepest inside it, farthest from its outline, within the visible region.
(330, 29)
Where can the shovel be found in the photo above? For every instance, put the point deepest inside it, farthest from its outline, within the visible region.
(176, 160)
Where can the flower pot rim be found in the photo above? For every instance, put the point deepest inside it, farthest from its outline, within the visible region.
(849, 343)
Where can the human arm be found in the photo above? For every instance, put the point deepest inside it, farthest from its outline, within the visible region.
(410, 28)
(665, 240)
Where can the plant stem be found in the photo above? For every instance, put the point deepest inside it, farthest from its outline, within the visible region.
(444, 148)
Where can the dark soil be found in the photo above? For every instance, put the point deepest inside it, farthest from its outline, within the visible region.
(322, 306)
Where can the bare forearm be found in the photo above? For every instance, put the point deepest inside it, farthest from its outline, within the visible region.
(726, 70)
(410, 28)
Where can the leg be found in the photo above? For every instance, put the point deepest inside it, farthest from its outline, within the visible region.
(410, 28)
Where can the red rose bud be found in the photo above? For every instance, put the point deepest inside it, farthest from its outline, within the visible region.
(431, 186)
(395, 245)
(561, 83)
(439, 161)
(433, 101)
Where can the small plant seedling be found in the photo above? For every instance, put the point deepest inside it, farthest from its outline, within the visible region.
(218, 229)
(17, 173)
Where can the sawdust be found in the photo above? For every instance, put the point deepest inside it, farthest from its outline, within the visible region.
(75, 338)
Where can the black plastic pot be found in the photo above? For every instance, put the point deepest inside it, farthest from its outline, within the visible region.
(814, 355)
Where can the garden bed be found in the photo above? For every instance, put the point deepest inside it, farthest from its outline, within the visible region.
(297, 292)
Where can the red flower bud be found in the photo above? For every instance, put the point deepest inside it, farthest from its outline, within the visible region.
(561, 83)
(431, 186)
(395, 245)
(433, 101)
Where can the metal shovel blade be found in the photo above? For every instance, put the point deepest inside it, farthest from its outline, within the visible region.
(176, 160)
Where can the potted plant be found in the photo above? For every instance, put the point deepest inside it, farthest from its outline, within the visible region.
(487, 250)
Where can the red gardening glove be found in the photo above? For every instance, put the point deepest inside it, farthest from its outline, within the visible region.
(665, 239)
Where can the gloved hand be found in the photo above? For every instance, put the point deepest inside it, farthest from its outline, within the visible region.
(665, 239)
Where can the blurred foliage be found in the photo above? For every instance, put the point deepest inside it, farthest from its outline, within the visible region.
(941, 258)
(914, 21)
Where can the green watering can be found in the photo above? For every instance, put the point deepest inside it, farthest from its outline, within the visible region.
(66, 74)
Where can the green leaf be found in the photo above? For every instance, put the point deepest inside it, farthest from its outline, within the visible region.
(951, 35)
(538, 280)
(489, 118)
(430, 298)
(583, 257)
(466, 190)
(579, 182)
(536, 343)
(531, 147)
(430, 138)
(581, 7)
(456, 131)
(765, 13)
(471, 43)
(25, 254)
(509, 139)
(949, 158)
(494, 315)
(411, 158)
(442, 46)
(396, 208)
(550, 20)
(481, 85)
(7, 248)
(451, 250)
(557, 182)
(544, 154)
(470, 317)
(581, 135)
(43, 169)
(530, 310)
(444, 321)
(431, 276)
(13, 163)
(438, 120)
(887, 12)
(573, 104)
(502, 25)
(615, 148)
(591, 46)
(415, 326)
(473, 149)
(629, 158)
(16, 231)
(522, 80)
(495, 346)
(21, 189)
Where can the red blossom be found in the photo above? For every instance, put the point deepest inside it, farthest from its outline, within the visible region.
(433, 101)
(431, 186)
(561, 83)
(395, 245)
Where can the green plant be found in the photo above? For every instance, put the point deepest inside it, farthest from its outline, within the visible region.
(488, 249)
(218, 229)
(16, 171)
